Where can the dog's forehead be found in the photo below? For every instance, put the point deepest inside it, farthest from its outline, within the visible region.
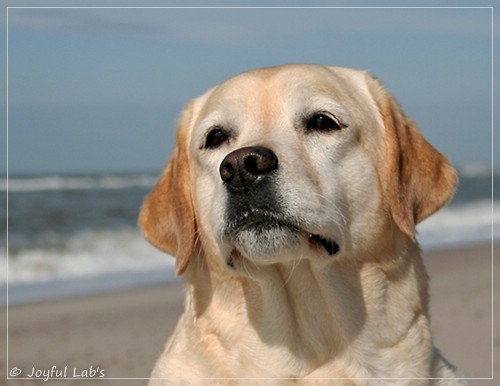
(269, 98)
(268, 87)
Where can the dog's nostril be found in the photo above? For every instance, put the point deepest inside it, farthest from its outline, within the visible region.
(250, 164)
(260, 161)
(244, 166)
(226, 171)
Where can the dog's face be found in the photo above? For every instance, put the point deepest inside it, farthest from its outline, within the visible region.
(294, 162)
(278, 159)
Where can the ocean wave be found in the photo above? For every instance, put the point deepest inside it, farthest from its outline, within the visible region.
(84, 254)
(55, 182)
(475, 170)
(478, 170)
(469, 223)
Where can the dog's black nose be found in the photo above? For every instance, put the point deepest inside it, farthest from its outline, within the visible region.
(243, 167)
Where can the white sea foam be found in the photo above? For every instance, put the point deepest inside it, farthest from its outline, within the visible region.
(84, 254)
(469, 223)
(47, 183)
(477, 170)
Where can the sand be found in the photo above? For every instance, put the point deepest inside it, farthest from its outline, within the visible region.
(120, 335)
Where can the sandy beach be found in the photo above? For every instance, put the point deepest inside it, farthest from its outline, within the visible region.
(120, 335)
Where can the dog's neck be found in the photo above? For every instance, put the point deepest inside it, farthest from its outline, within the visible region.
(309, 310)
(310, 307)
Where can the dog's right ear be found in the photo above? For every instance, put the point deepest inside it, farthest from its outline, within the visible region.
(167, 216)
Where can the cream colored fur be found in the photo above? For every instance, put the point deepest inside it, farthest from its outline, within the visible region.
(271, 306)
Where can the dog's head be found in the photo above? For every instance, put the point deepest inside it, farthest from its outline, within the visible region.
(290, 162)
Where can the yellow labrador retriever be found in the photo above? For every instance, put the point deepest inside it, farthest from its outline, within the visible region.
(290, 203)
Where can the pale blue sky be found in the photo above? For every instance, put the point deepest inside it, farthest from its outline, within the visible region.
(93, 89)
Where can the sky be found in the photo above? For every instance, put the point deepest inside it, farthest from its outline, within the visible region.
(100, 89)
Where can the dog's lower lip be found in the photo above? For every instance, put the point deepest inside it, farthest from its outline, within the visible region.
(330, 246)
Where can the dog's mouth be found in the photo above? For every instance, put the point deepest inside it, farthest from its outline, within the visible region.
(330, 246)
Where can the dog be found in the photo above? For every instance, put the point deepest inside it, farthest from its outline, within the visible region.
(290, 202)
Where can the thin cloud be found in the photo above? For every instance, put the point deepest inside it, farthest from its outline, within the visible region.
(234, 26)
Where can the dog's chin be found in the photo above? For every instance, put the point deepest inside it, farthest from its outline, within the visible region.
(275, 245)
(266, 246)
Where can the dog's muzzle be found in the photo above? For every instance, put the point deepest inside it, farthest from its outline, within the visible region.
(255, 215)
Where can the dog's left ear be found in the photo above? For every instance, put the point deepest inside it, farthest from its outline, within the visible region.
(420, 179)
(167, 217)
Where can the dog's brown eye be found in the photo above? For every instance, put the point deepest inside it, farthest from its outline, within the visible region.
(215, 138)
(322, 122)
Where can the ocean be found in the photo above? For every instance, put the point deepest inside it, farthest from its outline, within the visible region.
(71, 235)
